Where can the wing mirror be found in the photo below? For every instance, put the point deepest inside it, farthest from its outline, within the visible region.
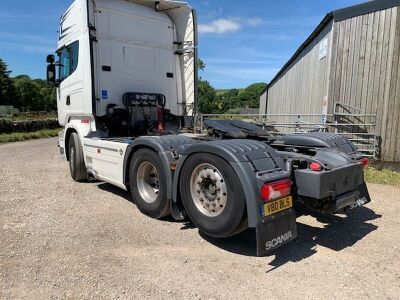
(51, 70)
(51, 74)
(50, 59)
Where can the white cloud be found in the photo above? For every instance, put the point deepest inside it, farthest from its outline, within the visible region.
(254, 22)
(220, 26)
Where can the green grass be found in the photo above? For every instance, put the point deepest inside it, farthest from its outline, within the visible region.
(384, 176)
(223, 91)
(24, 136)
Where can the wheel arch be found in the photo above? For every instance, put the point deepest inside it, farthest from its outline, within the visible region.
(239, 154)
(68, 133)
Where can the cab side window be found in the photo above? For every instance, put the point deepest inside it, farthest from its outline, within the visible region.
(68, 57)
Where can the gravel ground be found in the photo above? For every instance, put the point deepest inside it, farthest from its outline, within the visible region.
(61, 239)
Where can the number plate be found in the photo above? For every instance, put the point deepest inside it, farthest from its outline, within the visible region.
(277, 206)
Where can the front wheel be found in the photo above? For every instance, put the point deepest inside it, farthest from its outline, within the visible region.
(212, 195)
(77, 166)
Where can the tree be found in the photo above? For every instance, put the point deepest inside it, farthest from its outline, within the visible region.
(201, 65)
(27, 95)
(206, 97)
(34, 95)
(47, 94)
(251, 95)
(7, 92)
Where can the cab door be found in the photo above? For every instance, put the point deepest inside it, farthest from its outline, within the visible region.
(70, 89)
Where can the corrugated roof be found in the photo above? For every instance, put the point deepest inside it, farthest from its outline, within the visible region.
(339, 15)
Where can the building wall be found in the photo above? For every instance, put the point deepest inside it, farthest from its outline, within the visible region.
(365, 72)
(304, 85)
(263, 103)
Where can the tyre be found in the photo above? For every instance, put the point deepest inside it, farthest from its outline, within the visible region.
(77, 166)
(148, 184)
(213, 196)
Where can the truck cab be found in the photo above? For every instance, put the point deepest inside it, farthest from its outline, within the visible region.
(109, 48)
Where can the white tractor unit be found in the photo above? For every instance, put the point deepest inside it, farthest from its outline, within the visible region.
(126, 79)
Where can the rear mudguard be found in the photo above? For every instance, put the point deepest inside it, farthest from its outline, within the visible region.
(254, 163)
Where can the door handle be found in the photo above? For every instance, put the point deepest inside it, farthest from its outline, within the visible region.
(68, 101)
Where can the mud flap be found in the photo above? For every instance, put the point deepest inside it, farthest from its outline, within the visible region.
(275, 231)
(364, 194)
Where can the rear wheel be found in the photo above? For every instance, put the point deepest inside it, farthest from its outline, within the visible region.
(148, 184)
(77, 166)
(212, 195)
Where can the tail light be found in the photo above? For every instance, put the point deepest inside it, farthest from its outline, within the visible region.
(314, 166)
(364, 161)
(276, 190)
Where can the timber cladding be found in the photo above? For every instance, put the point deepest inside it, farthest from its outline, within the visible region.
(359, 67)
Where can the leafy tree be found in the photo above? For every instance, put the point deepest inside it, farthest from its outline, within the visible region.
(206, 93)
(251, 95)
(201, 65)
(34, 95)
(47, 94)
(206, 97)
(234, 99)
(27, 94)
(7, 93)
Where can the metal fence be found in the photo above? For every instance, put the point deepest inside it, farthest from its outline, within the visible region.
(357, 127)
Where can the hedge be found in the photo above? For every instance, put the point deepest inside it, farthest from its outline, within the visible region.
(7, 126)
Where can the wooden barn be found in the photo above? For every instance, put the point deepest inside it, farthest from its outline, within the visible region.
(351, 61)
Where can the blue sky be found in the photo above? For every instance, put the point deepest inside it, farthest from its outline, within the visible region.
(241, 42)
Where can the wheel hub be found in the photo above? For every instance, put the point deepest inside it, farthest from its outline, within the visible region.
(208, 189)
(148, 182)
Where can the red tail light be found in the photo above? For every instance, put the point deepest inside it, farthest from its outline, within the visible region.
(314, 166)
(364, 161)
(276, 190)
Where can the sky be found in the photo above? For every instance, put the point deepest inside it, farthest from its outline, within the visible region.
(241, 42)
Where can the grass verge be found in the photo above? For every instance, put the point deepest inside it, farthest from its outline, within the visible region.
(384, 176)
(24, 136)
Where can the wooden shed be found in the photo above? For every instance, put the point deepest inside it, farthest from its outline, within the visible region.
(351, 58)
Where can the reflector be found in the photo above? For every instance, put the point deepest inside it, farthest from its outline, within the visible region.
(364, 161)
(314, 166)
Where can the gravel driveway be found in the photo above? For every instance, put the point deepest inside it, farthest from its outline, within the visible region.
(61, 239)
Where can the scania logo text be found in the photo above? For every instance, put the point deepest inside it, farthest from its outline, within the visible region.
(278, 240)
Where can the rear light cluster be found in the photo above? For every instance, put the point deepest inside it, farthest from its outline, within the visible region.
(276, 190)
(364, 161)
